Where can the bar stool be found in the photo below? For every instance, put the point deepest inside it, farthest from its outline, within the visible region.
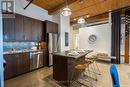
(93, 66)
(93, 59)
(83, 67)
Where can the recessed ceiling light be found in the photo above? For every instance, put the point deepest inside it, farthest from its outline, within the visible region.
(87, 16)
(74, 19)
(110, 10)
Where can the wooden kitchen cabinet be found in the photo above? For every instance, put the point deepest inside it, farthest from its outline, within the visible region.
(27, 25)
(45, 57)
(51, 27)
(16, 64)
(19, 33)
(22, 28)
(36, 30)
(8, 29)
(23, 63)
(39, 30)
(11, 66)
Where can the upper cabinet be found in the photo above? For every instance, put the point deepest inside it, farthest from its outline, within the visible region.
(19, 30)
(22, 28)
(37, 30)
(8, 29)
(27, 25)
(51, 27)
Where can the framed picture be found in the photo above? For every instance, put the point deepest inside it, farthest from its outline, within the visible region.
(66, 39)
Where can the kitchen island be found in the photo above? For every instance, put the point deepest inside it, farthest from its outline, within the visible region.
(64, 66)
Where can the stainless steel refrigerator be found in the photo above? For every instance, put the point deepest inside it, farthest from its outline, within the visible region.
(52, 46)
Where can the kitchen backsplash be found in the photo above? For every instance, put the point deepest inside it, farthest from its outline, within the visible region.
(8, 46)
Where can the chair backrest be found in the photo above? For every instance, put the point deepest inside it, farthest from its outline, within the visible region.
(114, 76)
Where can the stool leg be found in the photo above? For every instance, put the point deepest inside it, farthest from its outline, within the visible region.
(83, 80)
(93, 72)
(89, 74)
(99, 73)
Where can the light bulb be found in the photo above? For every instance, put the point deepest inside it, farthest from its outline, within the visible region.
(66, 11)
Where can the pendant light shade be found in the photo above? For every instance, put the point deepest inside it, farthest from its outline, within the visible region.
(66, 11)
(81, 20)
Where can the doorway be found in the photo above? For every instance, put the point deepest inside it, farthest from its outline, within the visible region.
(76, 39)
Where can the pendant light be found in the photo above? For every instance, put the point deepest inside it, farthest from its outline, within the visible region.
(81, 20)
(66, 11)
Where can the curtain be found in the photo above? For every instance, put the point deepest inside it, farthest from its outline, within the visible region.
(116, 36)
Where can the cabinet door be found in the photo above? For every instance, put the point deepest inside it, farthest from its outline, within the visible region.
(55, 28)
(19, 36)
(11, 66)
(8, 29)
(39, 30)
(34, 30)
(51, 27)
(27, 28)
(23, 63)
(45, 57)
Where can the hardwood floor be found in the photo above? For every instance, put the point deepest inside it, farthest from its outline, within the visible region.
(43, 78)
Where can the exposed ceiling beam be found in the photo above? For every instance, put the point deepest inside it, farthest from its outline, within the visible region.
(55, 9)
(96, 18)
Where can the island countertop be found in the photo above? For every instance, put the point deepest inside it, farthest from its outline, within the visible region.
(66, 53)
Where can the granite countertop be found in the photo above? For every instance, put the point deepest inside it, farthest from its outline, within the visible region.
(66, 53)
(21, 51)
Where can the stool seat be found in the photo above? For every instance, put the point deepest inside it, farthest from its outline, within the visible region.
(80, 67)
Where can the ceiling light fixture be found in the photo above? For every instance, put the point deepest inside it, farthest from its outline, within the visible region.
(66, 11)
(81, 20)
(74, 19)
(87, 16)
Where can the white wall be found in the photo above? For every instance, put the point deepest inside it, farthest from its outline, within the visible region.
(103, 42)
(71, 37)
(64, 26)
(32, 10)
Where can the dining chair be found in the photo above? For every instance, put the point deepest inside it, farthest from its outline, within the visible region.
(114, 76)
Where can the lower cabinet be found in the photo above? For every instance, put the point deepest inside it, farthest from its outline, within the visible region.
(23, 63)
(19, 63)
(45, 58)
(16, 64)
(11, 66)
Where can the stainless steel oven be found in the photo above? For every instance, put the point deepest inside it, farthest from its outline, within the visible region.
(36, 60)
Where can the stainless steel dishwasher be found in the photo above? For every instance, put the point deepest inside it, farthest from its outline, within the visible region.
(36, 60)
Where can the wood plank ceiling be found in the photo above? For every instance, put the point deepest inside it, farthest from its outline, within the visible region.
(89, 7)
